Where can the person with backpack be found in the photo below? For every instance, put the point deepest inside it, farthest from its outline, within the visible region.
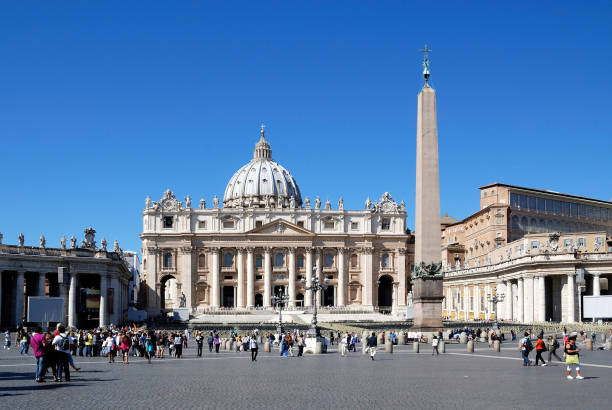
(434, 344)
(571, 358)
(210, 341)
(540, 348)
(371, 344)
(553, 345)
(62, 344)
(526, 347)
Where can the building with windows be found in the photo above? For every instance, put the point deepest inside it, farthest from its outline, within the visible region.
(92, 280)
(264, 238)
(133, 261)
(542, 249)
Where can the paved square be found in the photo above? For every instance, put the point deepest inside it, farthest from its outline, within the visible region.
(403, 379)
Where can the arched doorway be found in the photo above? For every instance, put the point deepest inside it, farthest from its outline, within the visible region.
(385, 291)
(328, 296)
(168, 292)
(228, 296)
(258, 300)
(299, 299)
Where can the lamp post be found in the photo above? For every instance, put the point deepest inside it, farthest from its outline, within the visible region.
(315, 287)
(497, 298)
(279, 300)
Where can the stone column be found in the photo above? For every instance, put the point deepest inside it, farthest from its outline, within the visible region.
(103, 300)
(116, 297)
(267, 277)
(500, 305)
(401, 273)
(187, 276)
(72, 320)
(541, 299)
(476, 288)
(528, 299)
(341, 289)
(520, 317)
(214, 286)
(319, 262)
(292, 276)
(509, 301)
(369, 283)
(570, 298)
(19, 297)
(487, 290)
(309, 273)
(1, 276)
(154, 300)
(250, 278)
(42, 282)
(596, 284)
(240, 269)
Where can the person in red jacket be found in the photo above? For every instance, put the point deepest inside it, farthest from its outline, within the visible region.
(540, 348)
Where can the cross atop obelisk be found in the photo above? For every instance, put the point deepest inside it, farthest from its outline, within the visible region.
(426, 72)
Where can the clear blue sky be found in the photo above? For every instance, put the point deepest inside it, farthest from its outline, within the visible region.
(103, 103)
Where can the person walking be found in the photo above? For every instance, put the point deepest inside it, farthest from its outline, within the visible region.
(199, 342)
(344, 342)
(217, 342)
(434, 344)
(211, 340)
(284, 347)
(37, 342)
(300, 342)
(553, 345)
(526, 347)
(149, 348)
(571, 358)
(540, 348)
(254, 347)
(178, 346)
(371, 345)
(125, 349)
(62, 344)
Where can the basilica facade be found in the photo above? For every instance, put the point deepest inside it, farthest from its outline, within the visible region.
(264, 239)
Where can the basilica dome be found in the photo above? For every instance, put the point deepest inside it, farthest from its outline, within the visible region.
(262, 182)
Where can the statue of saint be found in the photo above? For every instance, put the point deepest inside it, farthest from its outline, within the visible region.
(307, 202)
(103, 244)
(292, 202)
(188, 202)
(317, 203)
(368, 203)
(148, 202)
(63, 242)
(216, 202)
(183, 302)
(21, 239)
(72, 242)
(43, 241)
(327, 204)
(202, 203)
(341, 204)
(402, 206)
(116, 247)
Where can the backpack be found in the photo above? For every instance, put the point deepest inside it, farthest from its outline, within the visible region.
(527, 345)
(555, 344)
(65, 343)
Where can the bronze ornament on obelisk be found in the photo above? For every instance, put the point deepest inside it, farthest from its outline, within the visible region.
(427, 274)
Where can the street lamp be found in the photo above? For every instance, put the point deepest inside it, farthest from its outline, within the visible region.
(280, 300)
(315, 287)
(497, 298)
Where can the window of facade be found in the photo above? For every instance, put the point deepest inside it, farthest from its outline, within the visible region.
(581, 241)
(201, 261)
(168, 220)
(328, 225)
(386, 261)
(228, 224)
(228, 260)
(499, 220)
(167, 260)
(258, 224)
(535, 244)
(565, 209)
(574, 209)
(354, 261)
(279, 260)
(300, 224)
(300, 261)
(202, 224)
(354, 226)
(258, 277)
(532, 203)
(258, 261)
(568, 242)
(549, 205)
(541, 204)
(386, 224)
(328, 260)
(499, 234)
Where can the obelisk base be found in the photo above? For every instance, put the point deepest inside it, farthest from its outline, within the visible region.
(427, 300)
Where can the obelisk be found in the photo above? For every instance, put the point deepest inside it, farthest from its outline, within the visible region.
(427, 274)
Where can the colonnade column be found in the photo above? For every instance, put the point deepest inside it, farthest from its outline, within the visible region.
(541, 299)
(42, 282)
(187, 274)
(103, 300)
(116, 298)
(570, 297)
(308, 295)
(240, 268)
(401, 273)
(370, 283)
(596, 285)
(476, 288)
(341, 290)
(528, 303)
(72, 322)
(19, 297)
(520, 317)
(509, 299)
(267, 302)
(250, 278)
(292, 276)
(214, 299)
(500, 305)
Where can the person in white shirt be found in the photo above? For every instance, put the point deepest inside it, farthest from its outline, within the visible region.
(254, 347)
(62, 344)
(434, 344)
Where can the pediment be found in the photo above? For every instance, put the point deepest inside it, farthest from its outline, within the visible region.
(282, 228)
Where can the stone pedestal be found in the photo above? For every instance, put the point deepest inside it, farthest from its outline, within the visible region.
(470, 346)
(388, 347)
(442, 347)
(463, 339)
(266, 346)
(314, 345)
(496, 346)
(181, 314)
(589, 344)
(427, 304)
(401, 338)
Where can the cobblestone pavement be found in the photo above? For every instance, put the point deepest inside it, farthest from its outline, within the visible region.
(455, 380)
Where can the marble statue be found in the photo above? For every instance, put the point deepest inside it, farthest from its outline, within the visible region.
(21, 239)
(43, 241)
(216, 202)
(188, 202)
(307, 203)
(183, 302)
(103, 244)
(72, 242)
(402, 206)
(148, 202)
(327, 204)
(341, 204)
(202, 203)
(116, 247)
(317, 203)
(368, 203)
(292, 202)
(63, 242)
